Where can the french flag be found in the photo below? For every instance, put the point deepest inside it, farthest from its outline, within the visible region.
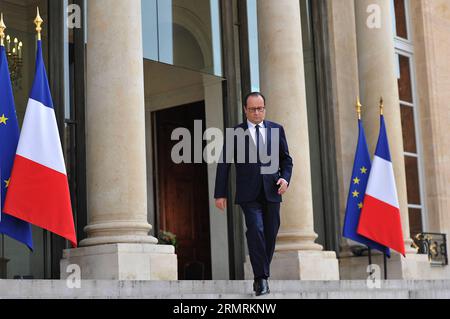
(380, 218)
(39, 192)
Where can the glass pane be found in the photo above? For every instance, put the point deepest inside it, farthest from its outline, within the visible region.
(166, 37)
(412, 180)
(16, 260)
(150, 29)
(404, 82)
(253, 43)
(415, 222)
(409, 131)
(184, 33)
(400, 19)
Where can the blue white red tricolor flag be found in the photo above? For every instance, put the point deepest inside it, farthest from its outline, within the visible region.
(39, 190)
(9, 137)
(380, 218)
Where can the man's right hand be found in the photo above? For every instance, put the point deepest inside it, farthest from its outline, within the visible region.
(221, 203)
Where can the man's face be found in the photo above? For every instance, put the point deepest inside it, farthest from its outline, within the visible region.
(255, 109)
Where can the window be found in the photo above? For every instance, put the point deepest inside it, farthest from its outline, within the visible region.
(183, 33)
(404, 49)
(252, 17)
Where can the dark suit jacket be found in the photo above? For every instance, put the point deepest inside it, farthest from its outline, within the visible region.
(249, 179)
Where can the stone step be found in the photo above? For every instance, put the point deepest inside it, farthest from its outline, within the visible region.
(290, 285)
(383, 294)
(223, 289)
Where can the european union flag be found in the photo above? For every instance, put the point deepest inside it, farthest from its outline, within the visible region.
(361, 171)
(9, 137)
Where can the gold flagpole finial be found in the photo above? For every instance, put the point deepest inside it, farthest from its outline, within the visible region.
(381, 106)
(2, 31)
(38, 22)
(358, 108)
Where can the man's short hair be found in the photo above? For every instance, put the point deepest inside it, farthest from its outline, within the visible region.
(253, 94)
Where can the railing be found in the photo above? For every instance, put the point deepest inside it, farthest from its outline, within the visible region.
(434, 245)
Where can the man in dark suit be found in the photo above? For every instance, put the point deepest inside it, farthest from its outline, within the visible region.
(259, 189)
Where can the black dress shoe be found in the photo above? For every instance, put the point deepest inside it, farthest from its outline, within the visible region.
(262, 287)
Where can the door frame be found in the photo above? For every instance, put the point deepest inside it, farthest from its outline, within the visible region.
(156, 173)
(57, 70)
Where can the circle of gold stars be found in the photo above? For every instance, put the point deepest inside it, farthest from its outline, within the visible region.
(357, 181)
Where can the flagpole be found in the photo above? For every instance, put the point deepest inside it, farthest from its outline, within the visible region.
(47, 274)
(384, 254)
(358, 109)
(3, 247)
(2, 43)
(2, 31)
(359, 112)
(38, 22)
(385, 267)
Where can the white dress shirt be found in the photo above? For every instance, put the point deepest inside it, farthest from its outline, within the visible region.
(252, 130)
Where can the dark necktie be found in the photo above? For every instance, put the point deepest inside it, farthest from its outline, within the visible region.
(259, 143)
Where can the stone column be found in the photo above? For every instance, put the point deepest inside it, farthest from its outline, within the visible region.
(283, 83)
(377, 73)
(118, 245)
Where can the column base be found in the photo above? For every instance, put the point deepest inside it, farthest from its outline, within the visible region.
(122, 262)
(413, 267)
(300, 265)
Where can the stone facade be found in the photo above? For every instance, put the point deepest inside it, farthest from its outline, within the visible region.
(362, 62)
(432, 49)
(355, 72)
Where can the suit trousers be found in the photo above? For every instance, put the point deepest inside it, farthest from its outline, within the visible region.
(262, 219)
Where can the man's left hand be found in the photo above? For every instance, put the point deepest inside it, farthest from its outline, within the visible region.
(283, 186)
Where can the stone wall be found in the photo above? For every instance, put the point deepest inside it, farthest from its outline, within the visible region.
(431, 28)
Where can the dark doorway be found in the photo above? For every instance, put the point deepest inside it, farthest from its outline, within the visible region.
(183, 207)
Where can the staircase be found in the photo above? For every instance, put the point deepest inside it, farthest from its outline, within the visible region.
(58, 289)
